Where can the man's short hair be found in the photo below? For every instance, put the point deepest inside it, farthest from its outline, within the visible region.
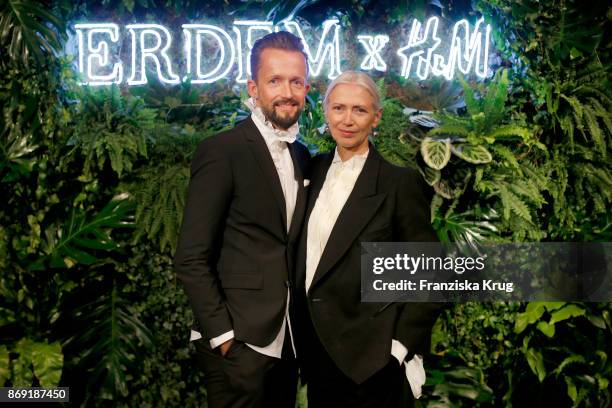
(282, 40)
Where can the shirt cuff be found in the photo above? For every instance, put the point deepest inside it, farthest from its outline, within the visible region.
(398, 351)
(415, 372)
(219, 340)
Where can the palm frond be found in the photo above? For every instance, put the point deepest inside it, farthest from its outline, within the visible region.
(29, 32)
(81, 239)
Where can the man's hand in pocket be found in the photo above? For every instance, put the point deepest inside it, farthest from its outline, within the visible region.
(224, 347)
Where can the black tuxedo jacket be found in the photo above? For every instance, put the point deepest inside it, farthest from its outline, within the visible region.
(387, 204)
(234, 253)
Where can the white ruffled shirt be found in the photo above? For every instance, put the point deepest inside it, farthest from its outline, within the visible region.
(338, 185)
(276, 141)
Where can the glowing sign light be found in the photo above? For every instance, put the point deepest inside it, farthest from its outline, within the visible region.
(247, 28)
(141, 53)
(211, 53)
(373, 45)
(466, 50)
(330, 49)
(223, 42)
(98, 56)
(420, 45)
(475, 49)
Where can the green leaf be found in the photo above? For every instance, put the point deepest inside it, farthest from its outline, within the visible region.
(79, 238)
(571, 389)
(113, 341)
(29, 33)
(550, 306)
(436, 153)
(512, 203)
(430, 175)
(22, 365)
(5, 371)
(533, 312)
(566, 313)
(567, 361)
(47, 361)
(597, 321)
(546, 328)
(508, 132)
(536, 363)
(475, 154)
(129, 5)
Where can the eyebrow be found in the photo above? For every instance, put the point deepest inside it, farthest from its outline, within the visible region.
(353, 106)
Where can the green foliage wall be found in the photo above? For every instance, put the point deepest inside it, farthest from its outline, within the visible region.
(93, 183)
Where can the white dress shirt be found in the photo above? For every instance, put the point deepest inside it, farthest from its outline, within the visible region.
(276, 141)
(339, 183)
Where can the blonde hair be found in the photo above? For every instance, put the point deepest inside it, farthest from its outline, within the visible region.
(357, 78)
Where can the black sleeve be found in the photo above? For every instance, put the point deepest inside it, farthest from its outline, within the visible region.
(412, 224)
(208, 200)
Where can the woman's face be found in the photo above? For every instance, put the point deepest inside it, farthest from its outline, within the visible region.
(351, 115)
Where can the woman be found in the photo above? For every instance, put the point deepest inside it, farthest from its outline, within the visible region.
(356, 354)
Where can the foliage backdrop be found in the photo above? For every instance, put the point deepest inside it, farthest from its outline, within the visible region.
(93, 182)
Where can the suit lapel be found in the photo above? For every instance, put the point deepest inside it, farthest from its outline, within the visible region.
(300, 202)
(317, 178)
(260, 150)
(358, 210)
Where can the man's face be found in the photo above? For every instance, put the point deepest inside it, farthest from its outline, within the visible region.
(281, 87)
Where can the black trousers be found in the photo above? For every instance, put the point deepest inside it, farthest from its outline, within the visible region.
(328, 387)
(244, 378)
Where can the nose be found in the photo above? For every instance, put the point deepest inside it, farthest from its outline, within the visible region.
(286, 90)
(347, 118)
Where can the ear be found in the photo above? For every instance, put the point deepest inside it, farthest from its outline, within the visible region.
(377, 117)
(252, 89)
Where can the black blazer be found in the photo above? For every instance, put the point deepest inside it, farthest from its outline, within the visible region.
(386, 204)
(234, 252)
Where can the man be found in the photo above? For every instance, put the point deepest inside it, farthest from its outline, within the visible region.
(245, 206)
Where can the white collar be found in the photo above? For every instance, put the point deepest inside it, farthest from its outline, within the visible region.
(268, 131)
(357, 161)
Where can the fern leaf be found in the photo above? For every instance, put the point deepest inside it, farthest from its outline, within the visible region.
(510, 131)
(507, 156)
(512, 203)
(495, 99)
(449, 130)
(590, 120)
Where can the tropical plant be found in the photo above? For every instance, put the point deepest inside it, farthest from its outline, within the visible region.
(110, 129)
(579, 361)
(86, 282)
(109, 339)
(29, 32)
(160, 187)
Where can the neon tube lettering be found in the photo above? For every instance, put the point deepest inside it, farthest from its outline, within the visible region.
(251, 31)
(223, 44)
(422, 47)
(373, 46)
(93, 57)
(141, 53)
(326, 48)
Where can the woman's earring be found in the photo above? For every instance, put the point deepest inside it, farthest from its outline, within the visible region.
(374, 133)
(326, 128)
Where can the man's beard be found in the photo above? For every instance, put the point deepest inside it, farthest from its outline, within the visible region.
(282, 122)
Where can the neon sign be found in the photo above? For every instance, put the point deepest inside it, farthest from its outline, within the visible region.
(210, 53)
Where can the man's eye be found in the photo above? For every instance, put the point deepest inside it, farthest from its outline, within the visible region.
(298, 83)
(273, 81)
